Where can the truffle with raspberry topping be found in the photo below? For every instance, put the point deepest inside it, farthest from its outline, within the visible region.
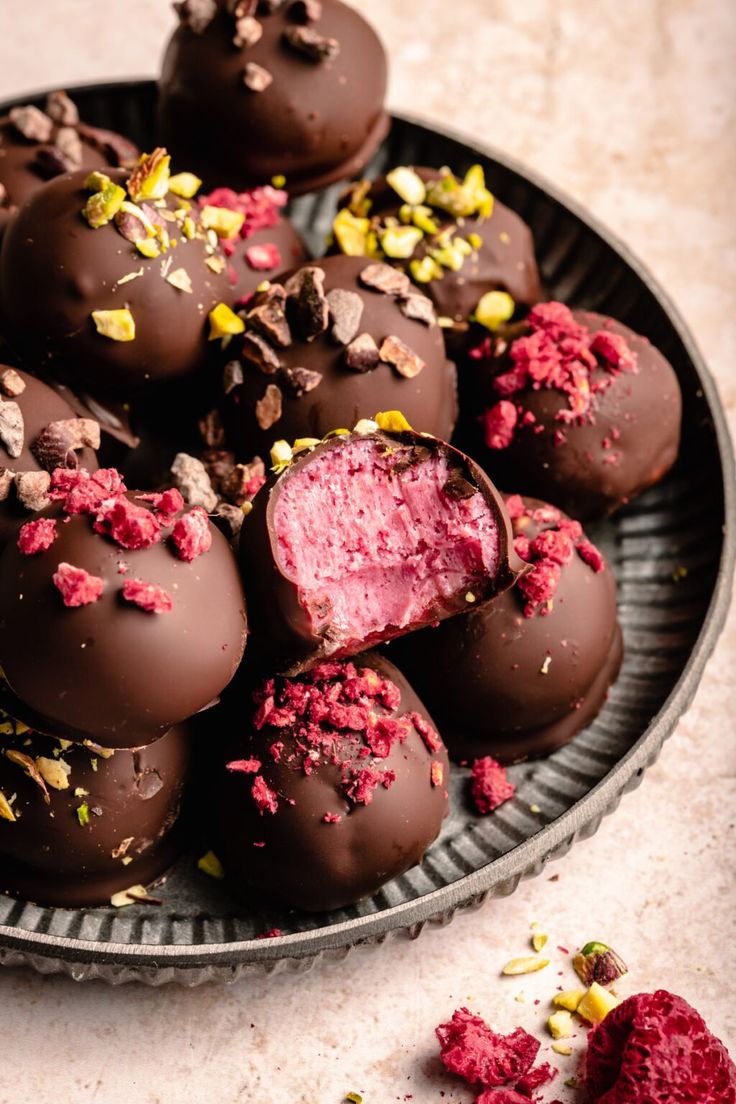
(366, 536)
(126, 618)
(471, 254)
(575, 408)
(329, 784)
(39, 432)
(330, 344)
(251, 91)
(79, 823)
(523, 675)
(107, 280)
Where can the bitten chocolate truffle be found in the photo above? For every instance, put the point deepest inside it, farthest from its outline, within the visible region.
(472, 255)
(575, 408)
(79, 823)
(366, 536)
(121, 614)
(330, 784)
(253, 91)
(37, 145)
(331, 344)
(39, 431)
(93, 288)
(524, 674)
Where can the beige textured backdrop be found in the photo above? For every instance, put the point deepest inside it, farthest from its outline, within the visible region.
(631, 107)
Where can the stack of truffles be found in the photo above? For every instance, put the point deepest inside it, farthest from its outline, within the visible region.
(196, 418)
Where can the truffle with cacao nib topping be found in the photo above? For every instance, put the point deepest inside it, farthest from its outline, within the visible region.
(366, 536)
(262, 242)
(327, 346)
(79, 823)
(108, 280)
(575, 408)
(329, 784)
(472, 255)
(524, 674)
(120, 613)
(253, 91)
(39, 432)
(37, 145)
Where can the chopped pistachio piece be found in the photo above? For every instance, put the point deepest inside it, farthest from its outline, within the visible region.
(494, 308)
(391, 421)
(55, 772)
(539, 940)
(303, 443)
(96, 181)
(180, 279)
(148, 247)
(188, 228)
(211, 865)
(596, 1004)
(449, 257)
(560, 1024)
(407, 184)
(422, 272)
(569, 999)
(281, 455)
(224, 322)
(225, 223)
(527, 965)
(117, 325)
(562, 1048)
(351, 233)
(364, 426)
(150, 178)
(184, 184)
(471, 197)
(102, 207)
(83, 814)
(475, 240)
(422, 218)
(399, 242)
(6, 811)
(598, 962)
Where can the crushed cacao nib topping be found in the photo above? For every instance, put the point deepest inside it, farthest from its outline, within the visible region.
(418, 308)
(196, 14)
(11, 383)
(307, 302)
(228, 519)
(397, 353)
(256, 78)
(297, 381)
(346, 311)
(362, 354)
(270, 407)
(232, 376)
(55, 445)
(64, 156)
(62, 109)
(266, 313)
(310, 44)
(190, 476)
(12, 428)
(243, 482)
(248, 31)
(305, 11)
(32, 488)
(257, 352)
(32, 123)
(115, 148)
(211, 430)
(384, 278)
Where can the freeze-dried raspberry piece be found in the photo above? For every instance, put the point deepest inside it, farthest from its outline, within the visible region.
(539, 586)
(535, 1078)
(469, 1048)
(128, 525)
(83, 493)
(515, 506)
(499, 424)
(191, 536)
(590, 554)
(501, 1096)
(489, 786)
(77, 586)
(264, 257)
(260, 206)
(264, 797)
(37, 536)
(166, 504)
(424, 728)
(552, 544)
(244, 766)
(151, 598)
(614, 348)
(654, 1048)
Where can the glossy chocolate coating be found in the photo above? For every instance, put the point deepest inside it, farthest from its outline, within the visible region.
(47, 856)
(243, 279)
(637, 425)
(505, 261)
(306, 862)
(283, 636)
(40, 405)
(317, 122)
(344, 396)
(109, 670)
(55, 270)
(493, 698)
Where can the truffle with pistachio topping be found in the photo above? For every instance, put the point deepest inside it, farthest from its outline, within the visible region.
(472, 255)
(107, 280)
(250, 91)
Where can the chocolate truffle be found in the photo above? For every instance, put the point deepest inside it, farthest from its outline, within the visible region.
(331, 344)
(366, 536)
(120, 614)
(472, 255)
(93, 288)
(524, 674)
(263, 245)
(79, 823)
(253, 91)
(330, 784)
(36, 146)
(39, 431)
(576, 409)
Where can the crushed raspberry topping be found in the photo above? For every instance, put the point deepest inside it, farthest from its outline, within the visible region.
(339, 714)
(470, 1049)
(501, 1096)
(261, 206)
(264, 257)
(148, 596)
(437, 773)
(515, 506)
(165, 505)
(655, 1047)
(128, 525)
(331, 818)
(489, 786)
(264, 796)
(590, 554)
(37, 536)
(539, 587)
(191, 536)
(83, 493)
(244, 766)
(274, 933)
(535, 1078)
(558, 353)
(76, 586)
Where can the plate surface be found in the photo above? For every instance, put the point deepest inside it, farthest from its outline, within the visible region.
(671, 621)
